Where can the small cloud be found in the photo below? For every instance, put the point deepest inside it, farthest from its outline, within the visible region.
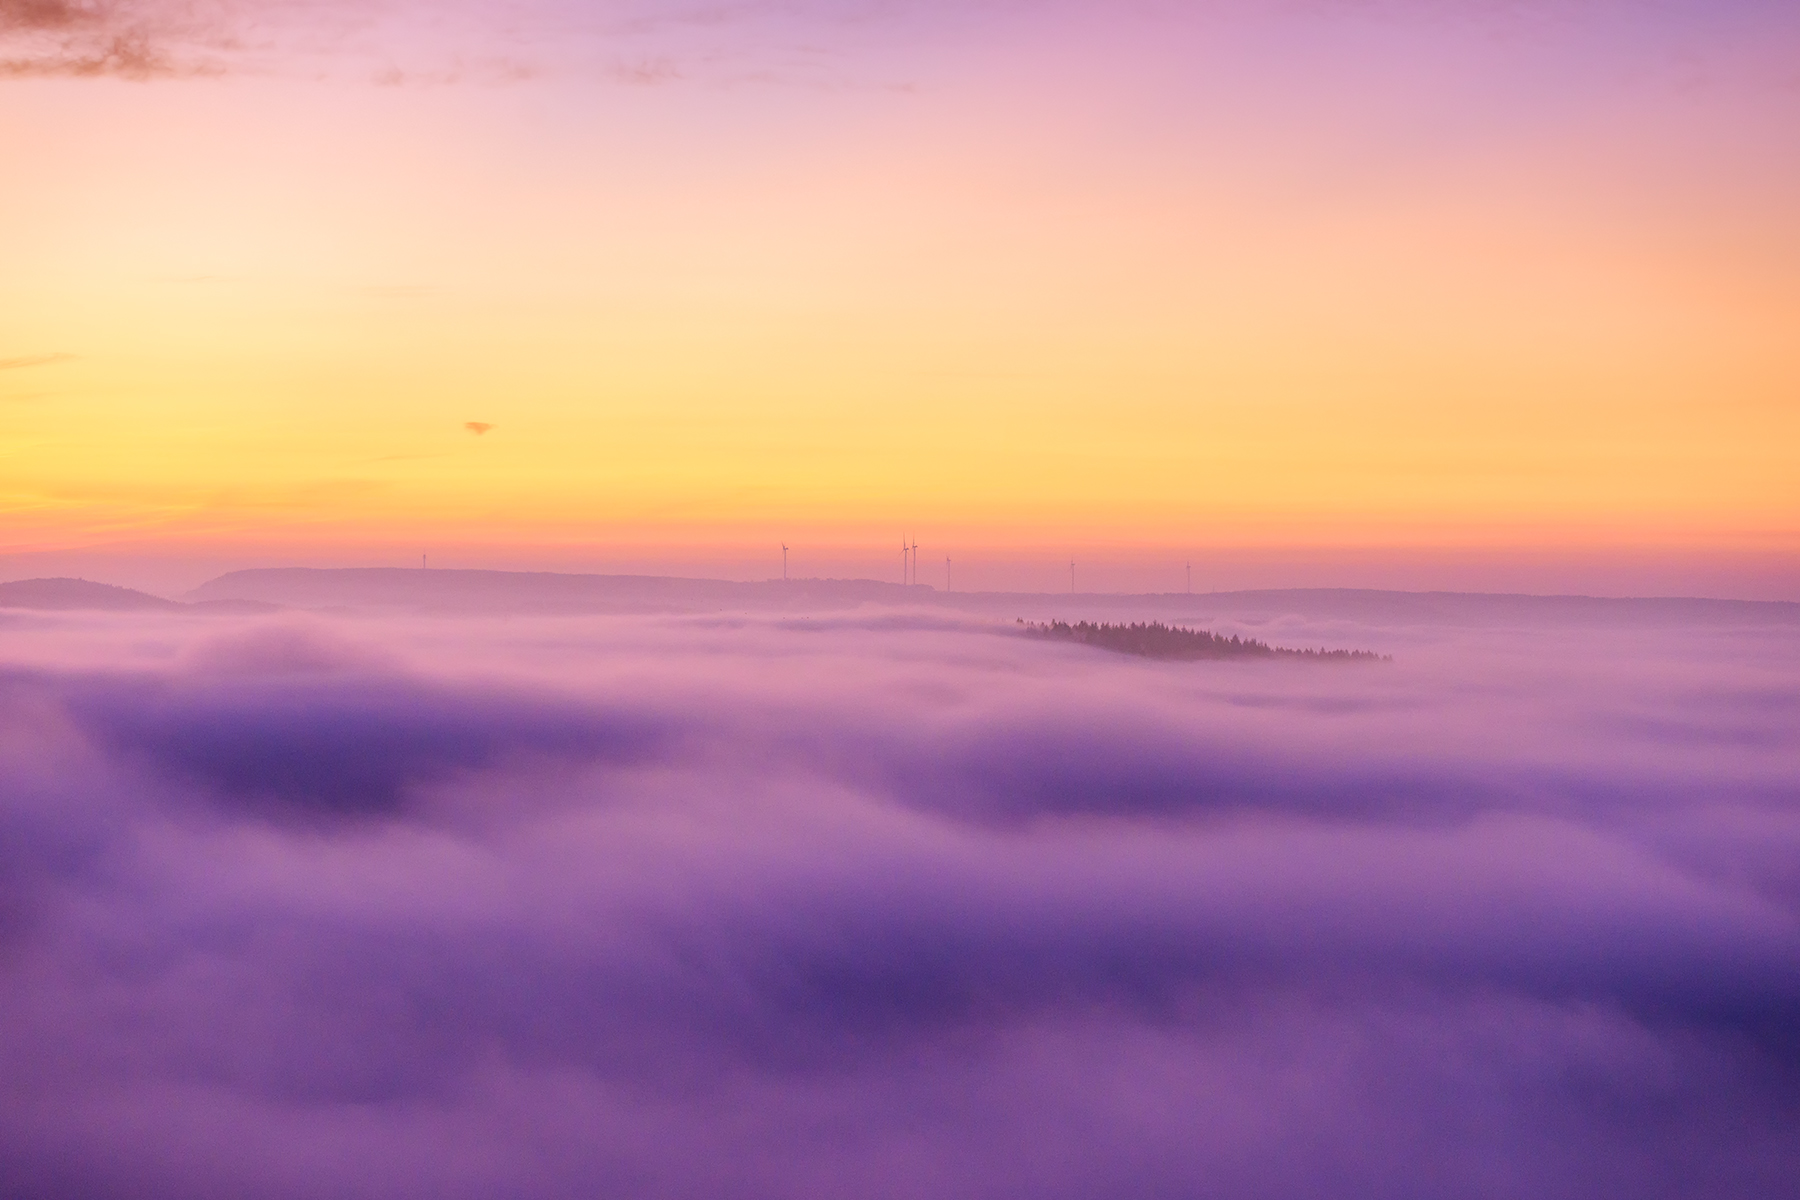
(477, 427)
(130, 39)
(398, 290)
(130, 54)
(646, 72)
(33, 360)
(45, 14)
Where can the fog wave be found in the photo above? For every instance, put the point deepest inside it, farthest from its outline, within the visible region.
(877, 905)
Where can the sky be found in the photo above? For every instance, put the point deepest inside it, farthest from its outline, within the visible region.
(1484, 295)
(899, 904)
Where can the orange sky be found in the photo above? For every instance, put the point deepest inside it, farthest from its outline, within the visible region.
(1148, 288)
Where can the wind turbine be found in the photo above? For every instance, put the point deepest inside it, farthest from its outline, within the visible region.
(1071, 577)
(1190, 571)
(784, 562)
(946, 574)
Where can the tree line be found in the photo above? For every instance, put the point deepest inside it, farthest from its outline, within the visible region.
(1153, 639)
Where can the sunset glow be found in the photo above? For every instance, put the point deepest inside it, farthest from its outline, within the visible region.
(1399, 283)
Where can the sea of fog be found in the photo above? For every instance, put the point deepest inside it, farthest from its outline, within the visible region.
(893, 902)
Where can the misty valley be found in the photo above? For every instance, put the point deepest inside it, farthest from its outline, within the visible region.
(312, 897)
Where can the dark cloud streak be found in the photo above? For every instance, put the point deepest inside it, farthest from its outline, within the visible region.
(130, 39)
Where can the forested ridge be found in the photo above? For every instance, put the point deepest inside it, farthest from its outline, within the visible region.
(1153, 639)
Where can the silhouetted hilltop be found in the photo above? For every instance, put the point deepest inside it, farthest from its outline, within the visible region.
(79, 594)
(417, 590)
(454, 591)
(1153, 639)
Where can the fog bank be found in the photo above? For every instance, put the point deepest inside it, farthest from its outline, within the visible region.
(893, 902)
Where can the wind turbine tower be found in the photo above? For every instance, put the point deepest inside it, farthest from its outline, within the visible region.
(784, 562)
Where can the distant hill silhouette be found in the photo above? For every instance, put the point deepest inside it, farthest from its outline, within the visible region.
(453, 591)
(79, 594)
(417, 590)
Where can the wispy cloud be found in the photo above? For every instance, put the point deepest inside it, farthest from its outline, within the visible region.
(408, 43)
(647, 42)
(131, 39)
(398, 291)
(646, 72)
(132, 56)
(33, 360)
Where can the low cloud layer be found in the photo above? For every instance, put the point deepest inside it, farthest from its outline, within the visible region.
(892, 905)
